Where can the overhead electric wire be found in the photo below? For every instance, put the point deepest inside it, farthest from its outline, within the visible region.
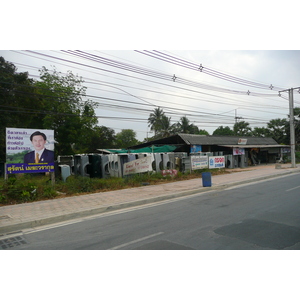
(199, 67)
(170, 110)
(167, 85)
(168, 77)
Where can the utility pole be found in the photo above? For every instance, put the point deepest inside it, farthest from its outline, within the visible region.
(292, 125)
(236, 117)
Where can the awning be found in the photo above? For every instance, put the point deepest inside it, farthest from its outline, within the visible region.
(151, 149)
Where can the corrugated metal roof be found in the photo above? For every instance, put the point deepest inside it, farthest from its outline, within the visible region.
(194, 139)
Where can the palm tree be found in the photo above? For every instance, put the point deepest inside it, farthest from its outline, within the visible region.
(154, 119)
(165, 129)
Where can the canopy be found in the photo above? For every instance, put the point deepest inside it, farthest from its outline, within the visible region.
(151, 149)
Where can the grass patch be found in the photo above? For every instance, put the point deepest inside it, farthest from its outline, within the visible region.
(23, 188)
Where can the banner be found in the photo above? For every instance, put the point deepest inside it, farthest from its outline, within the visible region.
(196, 148)
(216, 162)
(138, 166)
(29, 150)
(199, 162)
(238, 151)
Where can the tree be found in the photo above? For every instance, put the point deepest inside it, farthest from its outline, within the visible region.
(297, 126)
(102, 138)
(184, 126)
(261, 132)
(203, 132)
(242, 128)
(279, 130)
(126, 138)
(154, 120)
(19, 107)
(223, 131)
(68, 114)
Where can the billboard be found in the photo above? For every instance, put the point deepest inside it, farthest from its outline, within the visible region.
(199, 162)
(29, 150)
(216, 162)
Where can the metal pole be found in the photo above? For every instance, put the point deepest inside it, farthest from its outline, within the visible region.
(292, 127)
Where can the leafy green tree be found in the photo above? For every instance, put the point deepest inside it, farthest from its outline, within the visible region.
(223, 131)
(68, 114)
(19, 106)
(126, 138)
(203, 132)
(102, 138)
(279, 131)
(242, 128)
(261, 132)
(297, 126)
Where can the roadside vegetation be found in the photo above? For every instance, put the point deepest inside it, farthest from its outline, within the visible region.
(24, 188)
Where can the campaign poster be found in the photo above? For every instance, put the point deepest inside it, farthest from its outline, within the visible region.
(29, 150)
(216, 162)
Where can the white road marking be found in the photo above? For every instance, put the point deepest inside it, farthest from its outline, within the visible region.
(297, 187)
(136, 241)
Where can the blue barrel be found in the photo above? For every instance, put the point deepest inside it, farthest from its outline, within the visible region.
(206, 179)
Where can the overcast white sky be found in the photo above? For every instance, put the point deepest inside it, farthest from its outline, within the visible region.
(133, 96)
(165, 25)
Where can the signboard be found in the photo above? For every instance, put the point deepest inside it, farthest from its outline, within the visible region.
(138, 166)
(199, 162)
(238, 151)
(29, 150)
(171, 172)
(216, 162)
(196, 148)
(242, 141)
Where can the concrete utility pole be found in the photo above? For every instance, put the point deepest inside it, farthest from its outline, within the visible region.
(292, 125)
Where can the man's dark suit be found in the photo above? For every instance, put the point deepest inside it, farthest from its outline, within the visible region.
(47, 157)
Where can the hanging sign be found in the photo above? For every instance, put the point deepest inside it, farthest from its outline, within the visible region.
(196, 148)
(242, 141)
(238, 151)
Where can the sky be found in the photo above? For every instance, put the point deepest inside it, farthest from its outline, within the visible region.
(142, 80)
(257, 44)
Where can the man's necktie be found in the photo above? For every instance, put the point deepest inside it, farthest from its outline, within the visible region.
(37, 159)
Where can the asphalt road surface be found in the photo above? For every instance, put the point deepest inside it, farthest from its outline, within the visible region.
(261, 215)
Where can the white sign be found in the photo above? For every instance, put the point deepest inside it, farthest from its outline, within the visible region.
(199, 162)
(238, 151)
(216, 162)
(242, 141)
(138, 166)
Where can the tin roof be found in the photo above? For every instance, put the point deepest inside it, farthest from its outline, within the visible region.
(196, 139)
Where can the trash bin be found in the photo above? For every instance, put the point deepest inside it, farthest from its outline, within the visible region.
(206, 179)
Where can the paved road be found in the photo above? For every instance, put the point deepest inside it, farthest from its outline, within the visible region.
(263, 215)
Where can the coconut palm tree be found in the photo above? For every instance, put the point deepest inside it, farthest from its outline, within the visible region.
(154, 119)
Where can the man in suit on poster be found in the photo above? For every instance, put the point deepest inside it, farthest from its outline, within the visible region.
(40, 154)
